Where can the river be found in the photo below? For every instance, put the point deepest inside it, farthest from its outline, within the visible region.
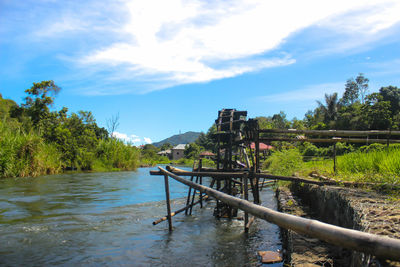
(92, 219)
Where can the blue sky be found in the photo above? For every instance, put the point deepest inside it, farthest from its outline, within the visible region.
(169, 66)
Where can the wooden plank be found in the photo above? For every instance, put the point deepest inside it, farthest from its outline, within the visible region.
(380, 246)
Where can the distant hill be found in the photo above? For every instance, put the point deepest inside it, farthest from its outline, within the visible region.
(177, 139)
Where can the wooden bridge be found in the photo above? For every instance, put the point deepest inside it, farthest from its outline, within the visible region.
(237, 174)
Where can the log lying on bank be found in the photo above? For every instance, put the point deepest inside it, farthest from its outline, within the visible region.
(380, 246)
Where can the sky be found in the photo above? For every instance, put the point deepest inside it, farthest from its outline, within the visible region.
(167, 67)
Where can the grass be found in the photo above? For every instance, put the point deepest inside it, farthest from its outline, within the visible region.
(378, 166)
(27, 154)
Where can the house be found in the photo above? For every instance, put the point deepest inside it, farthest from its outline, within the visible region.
(177, 151)
(165, 153)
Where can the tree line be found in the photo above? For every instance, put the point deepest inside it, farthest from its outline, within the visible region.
(36, 140)
(356, 109)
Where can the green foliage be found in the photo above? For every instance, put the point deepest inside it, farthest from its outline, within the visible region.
(113, 154)
(206, 140)
(26, 154)
(192, 151)
(330, 108)
(382, 162)
(166, 146)
(38, 141)
(285, 162)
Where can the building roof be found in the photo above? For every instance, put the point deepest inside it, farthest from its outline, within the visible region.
(207, 153)
(168, 151)
(180, 146)
(262, 146)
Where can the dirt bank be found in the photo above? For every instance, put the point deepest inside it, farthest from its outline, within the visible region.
(351, 208)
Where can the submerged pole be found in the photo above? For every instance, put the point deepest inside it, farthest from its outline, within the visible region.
(168, 202)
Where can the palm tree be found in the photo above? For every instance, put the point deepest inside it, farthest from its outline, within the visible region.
(330, 109)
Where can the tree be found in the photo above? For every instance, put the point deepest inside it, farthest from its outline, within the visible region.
(391, 94)
(355, 90)
(166, 146)
(112, 124)
(351, 93)
(40, 97)
(192, 150)
(378, 112)
(206, 140)
(280, 121)
(330, 109)
(362, 84)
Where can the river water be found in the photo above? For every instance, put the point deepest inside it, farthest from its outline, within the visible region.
(92, 219)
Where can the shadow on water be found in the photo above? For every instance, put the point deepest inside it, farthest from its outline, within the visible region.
(106, 219)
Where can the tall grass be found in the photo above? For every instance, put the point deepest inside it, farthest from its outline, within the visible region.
(113, 154)
(383, 163)
(375, 164)
(26, 154)
(285, 162)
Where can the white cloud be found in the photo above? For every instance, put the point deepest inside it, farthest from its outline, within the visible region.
(193, 41)
(157, 44)
(133, 139)
(309, 93)
(147, 140)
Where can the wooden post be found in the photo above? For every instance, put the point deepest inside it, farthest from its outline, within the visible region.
(334, 158)
(168, 202)
(246, 197)
(193, 196)
(201, 182)
(257, 151)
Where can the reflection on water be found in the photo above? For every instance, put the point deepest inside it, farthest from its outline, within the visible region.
(95, 219)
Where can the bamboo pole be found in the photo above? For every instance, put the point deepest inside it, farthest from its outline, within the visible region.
(168, 202)
(178, 211)
(327, 140)
(331, 132)
(220, 175)
(380, 246)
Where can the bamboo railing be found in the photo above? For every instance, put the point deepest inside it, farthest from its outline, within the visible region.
(380, 246)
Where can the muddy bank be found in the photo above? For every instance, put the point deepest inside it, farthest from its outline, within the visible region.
(351, 208)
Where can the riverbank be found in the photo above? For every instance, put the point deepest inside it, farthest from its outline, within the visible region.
(357, 209)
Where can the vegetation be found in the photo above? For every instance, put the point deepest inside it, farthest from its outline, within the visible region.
(35, 140)
(355, 110)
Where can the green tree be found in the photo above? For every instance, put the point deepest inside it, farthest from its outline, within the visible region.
(280, 121)
(166, 146)
(378, 112)
(351, 93)
(330, 109)
(192, 150)
(391, 94)
(40, 97)
(206, 140)
(362, 84)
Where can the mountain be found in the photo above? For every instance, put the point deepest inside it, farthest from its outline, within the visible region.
(177, 139)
